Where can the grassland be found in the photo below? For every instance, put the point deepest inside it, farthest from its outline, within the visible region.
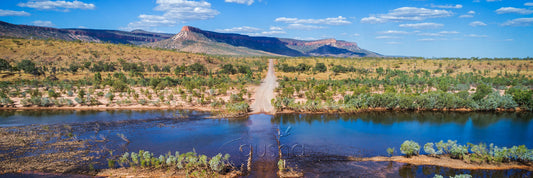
(355, 84)
(92, 75)
(52, 74)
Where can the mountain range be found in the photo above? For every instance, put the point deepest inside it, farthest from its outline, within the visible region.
(191, 39)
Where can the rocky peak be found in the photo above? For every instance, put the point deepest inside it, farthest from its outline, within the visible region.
(190, 29)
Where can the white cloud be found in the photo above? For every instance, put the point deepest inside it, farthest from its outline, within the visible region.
(304, 27)
(458, 6)
(466, 16)
(508, 10)
(393, 42)
(493, 0)
(449, 32)
(407, 13)
(243, 29)
(268, 33)
(476, 36)
(387, 37)
(477, 24)
(472, 12)
(42, 23)
(528, 4)
(56, 5)
(519, 22)
(394, 32)
(422, 25)
(274, 28)
(356, 34)
(248, 2)
(13, 13)
(430, 34)
(509, 39)
(427, 39)
(327, 21)
(175, 11)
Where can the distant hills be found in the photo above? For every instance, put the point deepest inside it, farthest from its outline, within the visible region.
(191, 39)
(136, 37)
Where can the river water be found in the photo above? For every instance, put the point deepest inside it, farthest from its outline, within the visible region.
(315, 144)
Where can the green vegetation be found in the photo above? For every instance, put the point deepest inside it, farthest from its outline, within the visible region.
(41, 73)
(476, 153)
(410, 148)
(193, 164)
(356, 84)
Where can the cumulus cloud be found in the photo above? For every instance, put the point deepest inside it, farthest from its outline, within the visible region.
(243, 29)
(57, 5)
(528, 4)
(519, 22)
(471, 12)
(407, 14)
(42, 23)
(426, 25)
(304, 27)
(175, 11)
(466, 16)
(327, 21)
(13, 13)
(458, 6)
(248, 2)
(508, 10)
(394, 32)
(477, 24)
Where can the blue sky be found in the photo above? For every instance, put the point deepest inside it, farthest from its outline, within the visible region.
(427, 28)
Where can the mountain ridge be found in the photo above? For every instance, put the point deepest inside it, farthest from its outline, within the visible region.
(196, 40)
(189, 37)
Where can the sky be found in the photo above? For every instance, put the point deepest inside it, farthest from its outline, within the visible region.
(424, 28)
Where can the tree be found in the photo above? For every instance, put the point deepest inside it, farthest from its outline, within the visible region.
(4, 65)
(73, 68)
(29, 67)
(482, 91)
(198, 68)
(228, 69)
(320, 67)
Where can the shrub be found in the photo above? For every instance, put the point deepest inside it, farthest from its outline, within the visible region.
(391, 151)
(410, 148)
(481, 91)
(428, 148)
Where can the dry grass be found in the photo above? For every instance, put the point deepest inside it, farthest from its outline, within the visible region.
(62, 53)
(489, 68)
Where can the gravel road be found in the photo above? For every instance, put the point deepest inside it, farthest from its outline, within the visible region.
(265, 93)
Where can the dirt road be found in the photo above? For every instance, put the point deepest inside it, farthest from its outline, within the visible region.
(265, 93)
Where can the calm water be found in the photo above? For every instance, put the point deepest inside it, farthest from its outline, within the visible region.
(314, 143)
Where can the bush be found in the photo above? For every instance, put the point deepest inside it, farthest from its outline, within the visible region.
(320, 67)
(391, 151)
(428, 148)
(410, 148)
(481, 91)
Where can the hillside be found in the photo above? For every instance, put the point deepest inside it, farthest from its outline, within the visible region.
(135, 37)
(191, 39)
(195, 40)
